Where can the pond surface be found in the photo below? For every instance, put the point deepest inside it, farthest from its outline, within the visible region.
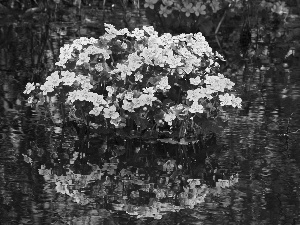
(260, 144)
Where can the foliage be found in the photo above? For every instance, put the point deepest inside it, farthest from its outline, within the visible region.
(175, 14)
(139, 77)
(232, 27)
(273, 22)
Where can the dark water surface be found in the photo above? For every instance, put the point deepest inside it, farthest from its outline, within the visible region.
(262, 140)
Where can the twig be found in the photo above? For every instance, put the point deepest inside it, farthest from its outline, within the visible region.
(295, 131)
(218, 27)
(220, 23)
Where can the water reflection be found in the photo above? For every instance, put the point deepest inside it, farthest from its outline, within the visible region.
(43, 181)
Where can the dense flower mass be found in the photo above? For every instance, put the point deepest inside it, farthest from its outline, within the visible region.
(150, 65)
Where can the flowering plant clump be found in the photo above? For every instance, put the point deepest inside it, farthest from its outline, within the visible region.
(188, 8)
(205, 7)
(277, 7)
(140, 76)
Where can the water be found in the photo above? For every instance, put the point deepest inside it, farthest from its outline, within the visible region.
(261, 143)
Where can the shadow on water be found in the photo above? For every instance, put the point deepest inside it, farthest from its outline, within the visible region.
(261, 142)
(54, 176)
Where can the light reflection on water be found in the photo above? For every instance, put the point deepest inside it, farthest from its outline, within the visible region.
(268, 160)
(262, 139)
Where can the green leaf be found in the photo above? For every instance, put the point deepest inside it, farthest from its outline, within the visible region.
(167, 103)
(153, 80)
(159, 116)
(206, 26)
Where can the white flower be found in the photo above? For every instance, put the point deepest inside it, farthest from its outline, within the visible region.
(188, 9)
(279, 8)
(54, 79)
(129, 95)
(137, 102)
(124, 45)
(65, 54)
(93, 50)
(228, 83)
(99, 67)
(129, 106)
(149, 90)
(47, 87)
(168, 2)
(72, 96)
(138, 34)
(110, 112)
(225, 99)
(236, 102)
(110, 29)
(195, 107)
(147, 99)
(110, 90)
(124, 69)
(83, 58)
(85, 41)
(61, 188)
(164, 11)
(195, 81)
(68, 78)
(29, 88)
(138, 77)
(86, 85)
(215, 5)
(96, 110)
(199, 8)
(163, 84)
(194, 95)
(98, 100)
(134, 61)
(150, 30)
(169, 117)
(150, 3)
(30, 100)
(117, 122)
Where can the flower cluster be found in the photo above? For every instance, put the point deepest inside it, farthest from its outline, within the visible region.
(72, 183)
(186, 6)
(189, 7)
(278, 7)
(150, 65)
(227, 99)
